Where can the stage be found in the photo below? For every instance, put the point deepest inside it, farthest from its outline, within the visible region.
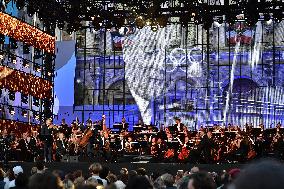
(115, 167)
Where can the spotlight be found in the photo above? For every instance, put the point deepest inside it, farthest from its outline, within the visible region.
(24, 113)
(12, 96)
(36, 101)
(13, 43)
(12, 111)
(37, 68)
(14, 60)
(26, 64)
(154, 28)
(36, 115)
(26, 49)
(24, 99)
(37, 54)
(269, 22)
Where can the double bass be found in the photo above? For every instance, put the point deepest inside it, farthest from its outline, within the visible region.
(86, 137)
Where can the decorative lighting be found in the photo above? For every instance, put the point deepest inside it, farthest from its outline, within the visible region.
(24, 32)
(25, 83)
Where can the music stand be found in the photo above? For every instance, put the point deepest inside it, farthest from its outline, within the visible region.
(137, 128)
(173, 144)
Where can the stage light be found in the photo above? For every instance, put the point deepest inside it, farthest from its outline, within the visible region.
(37, 68)
(13, 43)
(36, 101)
(12, 96)
(1, 55)
(14, 60)
(36, 115)
(12, 111)
(24, 99)
(26, 49)
(26, 64)
(24, 113)
(37, 54)
(269, 22)
(154, 27)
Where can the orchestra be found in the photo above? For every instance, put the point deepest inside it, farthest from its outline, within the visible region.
(215, 144)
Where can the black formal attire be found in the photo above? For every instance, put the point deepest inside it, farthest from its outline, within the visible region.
(25, 151)
(4, 148)
(124, 126)
(47, 138)
(61, 148)
(179, 127)
(65, 130)
(205, 147)
(33, 147)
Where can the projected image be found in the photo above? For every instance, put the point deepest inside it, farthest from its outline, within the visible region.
(175, 71)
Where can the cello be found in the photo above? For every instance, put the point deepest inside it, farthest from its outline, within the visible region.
(86, 137)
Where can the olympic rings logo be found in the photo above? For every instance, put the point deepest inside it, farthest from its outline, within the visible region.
(185, 60)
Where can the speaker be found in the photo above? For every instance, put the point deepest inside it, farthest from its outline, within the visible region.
(64, 159)
(73, 159)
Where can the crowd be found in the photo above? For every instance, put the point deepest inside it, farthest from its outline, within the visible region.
(265, 175)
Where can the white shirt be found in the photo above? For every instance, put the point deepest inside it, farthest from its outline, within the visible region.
(99, 178)
(6, 180)
(11, 184)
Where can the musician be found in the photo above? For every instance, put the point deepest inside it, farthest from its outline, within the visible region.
(161, 148)
(178, 126)
(34, 144)
(24, 147)
(95, 143)
(61, 147)
(65, 129)
(47, 138)
(124, 124)
(4, 145)
(205, 147)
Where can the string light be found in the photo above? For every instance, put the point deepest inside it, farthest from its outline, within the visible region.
(16, 126)
(24, 32)
(25, 83)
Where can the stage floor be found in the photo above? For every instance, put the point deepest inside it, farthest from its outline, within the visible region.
(115, 167)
